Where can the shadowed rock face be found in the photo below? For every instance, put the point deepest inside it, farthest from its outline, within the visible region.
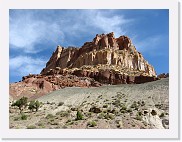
(106, 59)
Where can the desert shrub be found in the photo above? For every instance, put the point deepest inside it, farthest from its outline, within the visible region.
(79, 116)
(109, 116)
(21, 103)
(154, 112)
(31, 105)
(123, 111)
(134, 105)
(133, 125)
(31, 127)
(129, 110)
(60, 103)
(40, 124)
(64, 127)
(16, 118)
(101, 115)
(69, 122)
(124, 107)
(95, 109)
(116, 103)
(162, 115)
(106, 100)
(34, 105)
(139, 116)
(23, 116)
(92, 124)
(49, 116)
(143, 103)
(62, 113)
(140, 113)
(100, 96)
(54, 123)
(105, 106)
(89, 114)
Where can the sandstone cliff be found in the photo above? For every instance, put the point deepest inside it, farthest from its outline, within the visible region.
(106, 59)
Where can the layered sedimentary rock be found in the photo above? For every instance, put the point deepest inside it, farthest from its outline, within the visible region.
(34, 86)
(106, 59)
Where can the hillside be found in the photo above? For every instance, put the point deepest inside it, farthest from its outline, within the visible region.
(124, 106)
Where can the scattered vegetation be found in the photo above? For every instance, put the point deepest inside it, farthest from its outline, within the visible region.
(23, 116)
(63, 113)
(49, 116)
(21, 103)
(153, 112)
(139, 116)
(60, 103)
(134, 105)
(79, 116)
(91, 124)
(34, 105)
(105, 106)
(31, 127)
(162, 115)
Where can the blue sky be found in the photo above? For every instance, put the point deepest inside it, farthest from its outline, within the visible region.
(34, 35)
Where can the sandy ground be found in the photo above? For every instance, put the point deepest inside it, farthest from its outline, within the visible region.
(124, 106)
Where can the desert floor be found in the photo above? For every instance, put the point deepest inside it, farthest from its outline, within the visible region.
(124, 106)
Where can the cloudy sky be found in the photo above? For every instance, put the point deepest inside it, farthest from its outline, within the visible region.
(34, 34)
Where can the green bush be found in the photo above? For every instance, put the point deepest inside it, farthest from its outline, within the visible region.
(31, 127)
(63, 113)
(21, 103)
(105, 106)
(79, 116)
(34, 105)
(92, 124)
(49, 116)
(23, 116)
(139, 116)
(162, 115)
(60, 103)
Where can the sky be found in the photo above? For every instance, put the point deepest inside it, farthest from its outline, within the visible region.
(35, 34)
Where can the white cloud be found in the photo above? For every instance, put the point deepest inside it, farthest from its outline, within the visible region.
(23, 65)
(107, 23)
(152, 44)
(26, 32)
(31, 28)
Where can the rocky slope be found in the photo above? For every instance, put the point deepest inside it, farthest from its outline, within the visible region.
(124, 106)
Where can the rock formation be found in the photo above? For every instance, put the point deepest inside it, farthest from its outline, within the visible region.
(34, 86)
(106, 59)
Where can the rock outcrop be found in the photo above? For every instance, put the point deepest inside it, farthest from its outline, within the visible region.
(163, 75)
(34, 86)
(106, 59)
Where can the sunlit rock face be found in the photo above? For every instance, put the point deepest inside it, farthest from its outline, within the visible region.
(117, 56)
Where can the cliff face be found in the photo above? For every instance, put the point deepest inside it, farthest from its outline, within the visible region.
(105, 60)
(117, 56)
